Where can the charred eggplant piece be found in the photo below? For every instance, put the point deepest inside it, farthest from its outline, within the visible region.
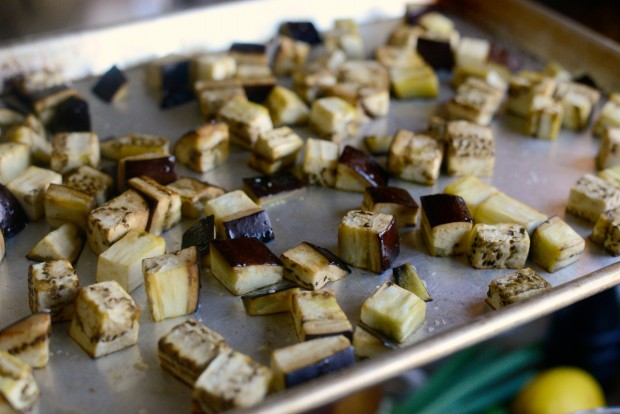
(317, 314)
(392, 200)
(200, 235)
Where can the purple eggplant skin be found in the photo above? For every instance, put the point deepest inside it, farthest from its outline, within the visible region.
(332, 363)
(438, 53)
(445, 208)
(72, 115)
(201, 234)
(364, 165)
(245, 251)
(303, 31)
(161, 169)
(110, 84)
(253, 225)
(12, 216)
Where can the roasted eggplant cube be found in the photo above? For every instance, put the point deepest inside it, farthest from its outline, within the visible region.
(522, 89)
(236, 215)
(18, 390)
(317, 314)
(311, 266)
(367, 345)
(544, 118)
(286, 107)
(194, 194)
(165, 204)
(123, 261)
(176, 88)
(29, 189)
(204, 148)
(368, 240)
(232, 380)
(309, 82)
(53, 287)
(591, 196)
(73, 149)
(65, 242)
(111, 86)
(187, 350)
(212, 99)
(64, 204)
(133, 144)
(161, 168)
(609, 150)
(320, 162)
(333, 118)
(475, 100)
(31, 132)
(257, 88)
(299, 363)
(246, 120)
(28, 339)
(498, 246)
(71, 115)
(556, 245)
(500, 208)
(200, 234)
(414, 82)
(290, 55)
(436, 51)
(606, 231)
(277, 298)
(14, 160)
(275, 150)
(214, 67)
(609, 116)
(113, 219)
(445, 224)
(515, 287)
(272, 189)
(472, 190)
(415, 157)
(106, 319)
(358, 170)
(91, 181)
(470, 149)
(277, 144)
(394, 311)
(245, 264)
(172, 283)
(13, 219)
(392, 200)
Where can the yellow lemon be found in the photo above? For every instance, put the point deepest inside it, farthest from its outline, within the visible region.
(559, 390)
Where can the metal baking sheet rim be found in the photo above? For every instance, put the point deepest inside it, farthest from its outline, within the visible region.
(388, 365)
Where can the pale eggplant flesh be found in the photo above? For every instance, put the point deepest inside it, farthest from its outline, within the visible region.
(331, 257)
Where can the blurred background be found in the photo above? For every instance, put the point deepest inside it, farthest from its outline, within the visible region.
(27, 18)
